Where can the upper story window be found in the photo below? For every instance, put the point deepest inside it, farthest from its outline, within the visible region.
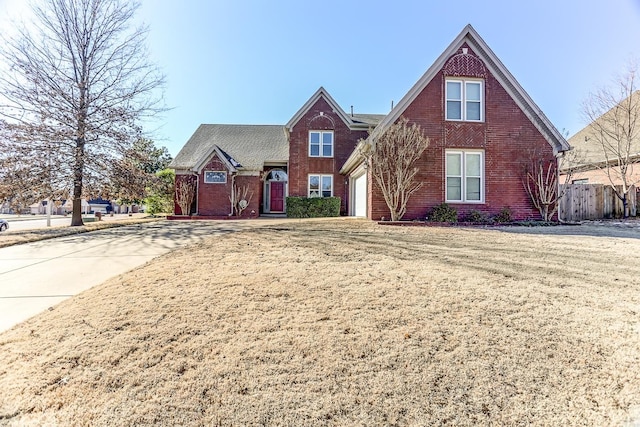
(465, 176)
(464, 100)
(321, 143)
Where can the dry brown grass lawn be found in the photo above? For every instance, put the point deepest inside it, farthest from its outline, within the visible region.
(343, 323)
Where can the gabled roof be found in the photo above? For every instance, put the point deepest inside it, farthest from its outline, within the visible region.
(355, 121)
(231, 164)
(370, 120)
(499, 71)
(245, 147)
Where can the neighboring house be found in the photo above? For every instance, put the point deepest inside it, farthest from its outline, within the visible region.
(482, 125)
(99, 205)
(590, 162)
(40, 208)
(89, 206)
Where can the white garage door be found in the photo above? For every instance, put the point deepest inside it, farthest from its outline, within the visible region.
(360, 195)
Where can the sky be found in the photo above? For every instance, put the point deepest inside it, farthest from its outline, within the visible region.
(259, 61)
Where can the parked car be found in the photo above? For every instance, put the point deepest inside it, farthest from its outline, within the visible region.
(3, 225)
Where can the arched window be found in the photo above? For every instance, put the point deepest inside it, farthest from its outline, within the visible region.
(277, 175)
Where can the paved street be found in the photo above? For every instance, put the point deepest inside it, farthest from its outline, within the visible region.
(26, 223)
(31, 222)
(36, 276)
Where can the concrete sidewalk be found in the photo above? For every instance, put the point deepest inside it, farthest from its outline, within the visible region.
(39, 275)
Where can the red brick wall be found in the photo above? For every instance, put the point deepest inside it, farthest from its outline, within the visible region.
(301, 165)
(506, 136)
(213, 199)
(254, 195)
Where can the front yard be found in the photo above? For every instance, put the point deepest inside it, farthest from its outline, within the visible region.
(343, 322)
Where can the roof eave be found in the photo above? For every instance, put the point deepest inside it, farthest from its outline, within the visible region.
(205, 159)
(355, 159)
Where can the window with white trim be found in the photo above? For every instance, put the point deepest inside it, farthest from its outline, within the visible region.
(320, 185)
(320, 143)
(464, 176)
(215, 177)
(464, 100)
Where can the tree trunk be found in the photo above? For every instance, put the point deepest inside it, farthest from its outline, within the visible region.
(78, 172)
(76, 215)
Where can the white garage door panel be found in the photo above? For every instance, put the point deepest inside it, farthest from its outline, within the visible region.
(360, 196)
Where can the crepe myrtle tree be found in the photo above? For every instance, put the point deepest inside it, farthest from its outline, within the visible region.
(78, 81)
(613, 114)
(185, 193)
(546, 179)
(541, 179)
(391, 157)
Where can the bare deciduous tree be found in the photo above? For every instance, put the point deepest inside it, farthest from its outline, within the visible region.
(541, 180)
(78, 81)
(546, 179)
(614, 126)
(239, 200)
(28, 171)
(185, 194)
(391, 158)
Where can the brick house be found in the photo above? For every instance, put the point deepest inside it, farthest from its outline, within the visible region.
(482, 126)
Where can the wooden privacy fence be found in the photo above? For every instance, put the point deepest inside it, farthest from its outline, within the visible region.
(594, 201)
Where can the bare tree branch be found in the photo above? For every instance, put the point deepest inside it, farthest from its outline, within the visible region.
(240, 198)
(614, 126)
(78, 84)
(391, 158)
(185, 193)
(546, 180)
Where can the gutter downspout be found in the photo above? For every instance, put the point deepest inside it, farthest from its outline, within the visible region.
(197, 175)
(559, 199)
(233, 187)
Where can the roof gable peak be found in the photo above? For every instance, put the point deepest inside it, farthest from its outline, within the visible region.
(227, 160)
(470, 38)
(320, 93)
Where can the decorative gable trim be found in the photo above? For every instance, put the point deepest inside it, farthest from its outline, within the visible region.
(505, 78)
(322, 93)
(229, 162)
(464, 64)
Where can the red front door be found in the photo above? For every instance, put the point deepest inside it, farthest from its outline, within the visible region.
(277, 196)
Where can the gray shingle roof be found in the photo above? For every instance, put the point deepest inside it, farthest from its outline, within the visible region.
(369, 119)
(249, 145)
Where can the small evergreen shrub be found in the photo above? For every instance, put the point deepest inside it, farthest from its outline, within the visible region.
(443, 213)
(478, 217)
(504, 216)
(313, 207)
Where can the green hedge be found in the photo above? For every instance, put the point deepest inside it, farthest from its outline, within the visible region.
(313, 207)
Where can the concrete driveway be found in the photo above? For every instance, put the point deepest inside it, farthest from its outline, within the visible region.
(37, 276)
